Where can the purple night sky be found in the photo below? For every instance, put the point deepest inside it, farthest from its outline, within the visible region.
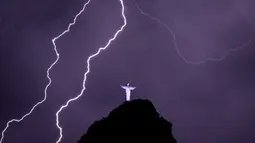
(213, 102)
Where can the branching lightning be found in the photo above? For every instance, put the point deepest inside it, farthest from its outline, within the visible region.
(88, 70)
(97, 53)
(38, 103)
(177, 49)
(48, 74)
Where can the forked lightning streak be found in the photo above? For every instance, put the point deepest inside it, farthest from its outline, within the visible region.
(177, 49)
(97, 53)
(88, 70)
(48, 74)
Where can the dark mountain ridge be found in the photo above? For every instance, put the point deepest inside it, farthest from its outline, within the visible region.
(131, 122)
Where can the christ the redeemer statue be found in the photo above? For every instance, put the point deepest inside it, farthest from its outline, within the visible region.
(128, 91)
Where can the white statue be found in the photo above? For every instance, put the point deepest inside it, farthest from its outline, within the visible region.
(128, 91)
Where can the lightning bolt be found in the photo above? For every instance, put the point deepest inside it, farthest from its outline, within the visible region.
(97, 53)
(48, 74)
(88, 70)
(177, 49)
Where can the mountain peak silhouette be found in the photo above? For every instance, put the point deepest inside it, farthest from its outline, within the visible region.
(131, 122)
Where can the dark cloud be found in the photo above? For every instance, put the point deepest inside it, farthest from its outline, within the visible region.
(219, 94)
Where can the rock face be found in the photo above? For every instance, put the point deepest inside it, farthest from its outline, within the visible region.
(136, 121)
